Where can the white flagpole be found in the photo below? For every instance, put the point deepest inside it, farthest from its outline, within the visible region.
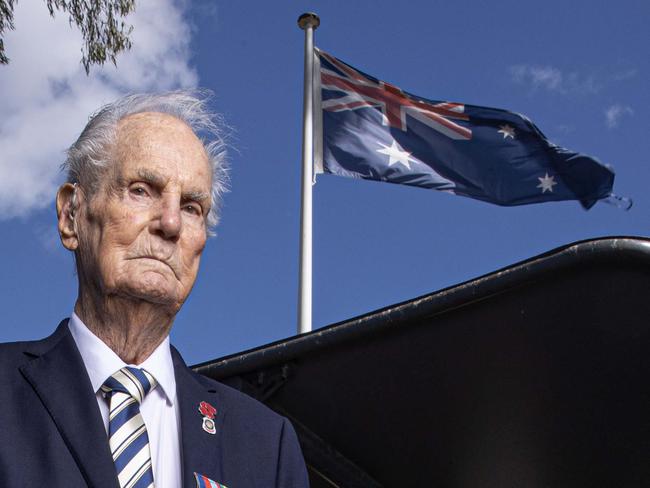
(307, 22)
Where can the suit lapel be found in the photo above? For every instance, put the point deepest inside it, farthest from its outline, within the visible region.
(202, 451)
(60, 380)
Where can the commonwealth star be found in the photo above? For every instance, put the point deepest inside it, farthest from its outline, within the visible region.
(507, 131)
(396, 155)
(546, 183)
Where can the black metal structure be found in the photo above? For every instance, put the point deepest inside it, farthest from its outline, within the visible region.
(536, 375)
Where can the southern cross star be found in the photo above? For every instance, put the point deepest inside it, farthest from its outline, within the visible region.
(507, 131)
(395, 154)
(546, 183)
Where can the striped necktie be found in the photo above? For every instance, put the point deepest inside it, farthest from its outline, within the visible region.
(127, 434)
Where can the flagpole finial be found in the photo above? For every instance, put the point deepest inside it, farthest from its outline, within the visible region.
(308, 19)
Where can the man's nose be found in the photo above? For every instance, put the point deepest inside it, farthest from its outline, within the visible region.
(169, 219)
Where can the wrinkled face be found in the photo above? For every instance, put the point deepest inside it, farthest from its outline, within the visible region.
(143, 232)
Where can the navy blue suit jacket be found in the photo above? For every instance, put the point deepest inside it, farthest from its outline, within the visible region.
(52, 434)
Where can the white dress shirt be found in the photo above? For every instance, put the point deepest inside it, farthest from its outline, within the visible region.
(159, 408)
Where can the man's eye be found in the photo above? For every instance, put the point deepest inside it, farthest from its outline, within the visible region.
(193, 209)
(138, 191)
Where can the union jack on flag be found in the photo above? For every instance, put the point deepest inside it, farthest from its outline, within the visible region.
(371, 129)
(359, 91)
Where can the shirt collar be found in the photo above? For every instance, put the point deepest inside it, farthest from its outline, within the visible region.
(101, 362)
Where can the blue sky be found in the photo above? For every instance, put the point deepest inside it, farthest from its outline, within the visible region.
(579, 70)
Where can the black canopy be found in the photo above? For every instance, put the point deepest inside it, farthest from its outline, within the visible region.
(536, 375)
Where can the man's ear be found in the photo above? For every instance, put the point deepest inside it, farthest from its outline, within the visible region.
(67, 205)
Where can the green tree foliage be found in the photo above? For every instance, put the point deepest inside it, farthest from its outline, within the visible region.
(6, 21)
(101, 22)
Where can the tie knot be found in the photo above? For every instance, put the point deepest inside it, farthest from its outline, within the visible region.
(134, 382)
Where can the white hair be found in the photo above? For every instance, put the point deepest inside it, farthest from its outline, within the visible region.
(89, 156)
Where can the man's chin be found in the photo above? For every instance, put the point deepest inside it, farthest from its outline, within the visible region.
(153, 295)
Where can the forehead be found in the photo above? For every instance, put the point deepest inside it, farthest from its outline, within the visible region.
(162, 143)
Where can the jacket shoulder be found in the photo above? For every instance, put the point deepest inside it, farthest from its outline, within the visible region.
(13, 353)
(16, 353)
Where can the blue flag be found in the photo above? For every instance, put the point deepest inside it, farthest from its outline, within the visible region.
(374, 130)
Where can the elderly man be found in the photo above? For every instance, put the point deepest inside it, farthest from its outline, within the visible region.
(106, 401)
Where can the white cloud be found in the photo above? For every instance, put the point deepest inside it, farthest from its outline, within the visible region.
(47, 97)
(553, 79)
(625, 75)
(614, 113)
(546, 77)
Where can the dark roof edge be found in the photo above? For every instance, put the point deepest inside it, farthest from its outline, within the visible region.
(618, 249)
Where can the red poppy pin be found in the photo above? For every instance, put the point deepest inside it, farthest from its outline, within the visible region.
(208, 412)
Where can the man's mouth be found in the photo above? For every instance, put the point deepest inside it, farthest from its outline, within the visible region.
(159, 260)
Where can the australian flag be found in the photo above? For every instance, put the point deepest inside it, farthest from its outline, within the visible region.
(374, 130)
